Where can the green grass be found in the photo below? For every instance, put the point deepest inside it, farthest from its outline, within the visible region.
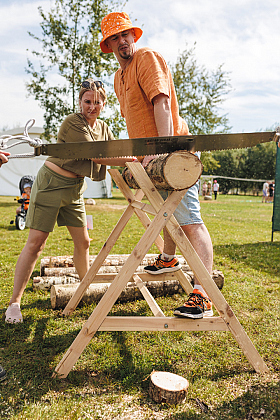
(110, 379)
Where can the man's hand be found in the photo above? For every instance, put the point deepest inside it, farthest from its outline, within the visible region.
(148, 159)
(3, 157)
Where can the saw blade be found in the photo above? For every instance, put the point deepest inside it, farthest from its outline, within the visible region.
(153, 145)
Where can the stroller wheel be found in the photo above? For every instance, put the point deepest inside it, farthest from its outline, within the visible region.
(20, 222)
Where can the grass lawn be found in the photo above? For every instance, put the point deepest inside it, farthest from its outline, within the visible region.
(110, 379)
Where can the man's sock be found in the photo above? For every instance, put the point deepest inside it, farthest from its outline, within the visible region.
(167, 257)
(200, 288)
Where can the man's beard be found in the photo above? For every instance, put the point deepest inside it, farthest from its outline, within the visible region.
(126, 54)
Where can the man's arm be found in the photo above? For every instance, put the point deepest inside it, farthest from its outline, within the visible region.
(163, 116)
(163, 120)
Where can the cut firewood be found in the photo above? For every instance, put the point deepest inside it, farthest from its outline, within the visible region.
(167, 387)
(161, 171)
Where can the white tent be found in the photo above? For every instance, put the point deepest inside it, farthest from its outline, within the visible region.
(11, 173)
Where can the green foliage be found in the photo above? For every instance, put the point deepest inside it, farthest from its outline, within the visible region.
(200, 94)
(70, 48)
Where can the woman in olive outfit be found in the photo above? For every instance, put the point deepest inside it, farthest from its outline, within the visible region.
(57, 193)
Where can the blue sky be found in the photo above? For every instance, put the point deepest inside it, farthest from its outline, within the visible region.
(242, 35)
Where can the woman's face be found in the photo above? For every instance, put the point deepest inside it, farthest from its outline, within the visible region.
(91, 105)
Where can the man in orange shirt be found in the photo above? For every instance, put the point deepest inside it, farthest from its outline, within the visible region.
(148, 102)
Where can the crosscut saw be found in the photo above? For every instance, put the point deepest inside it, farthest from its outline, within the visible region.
(138, 146)
(154, 145)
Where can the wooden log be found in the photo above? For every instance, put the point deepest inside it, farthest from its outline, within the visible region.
(107, 274)
(160, 285)
(61, 294)
(161, 171)
(111, 260)
(166, 387)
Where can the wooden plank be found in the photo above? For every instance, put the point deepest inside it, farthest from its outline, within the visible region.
(141, 323)
(148, 297)
(108, 300)
(204, 278)
(88, 279)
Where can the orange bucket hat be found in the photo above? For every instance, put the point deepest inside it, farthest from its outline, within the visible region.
(115, 23)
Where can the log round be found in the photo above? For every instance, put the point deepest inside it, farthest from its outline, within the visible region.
(167, 387)
(176, 171)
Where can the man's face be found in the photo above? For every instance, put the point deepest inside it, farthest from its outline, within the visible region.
(122, 44)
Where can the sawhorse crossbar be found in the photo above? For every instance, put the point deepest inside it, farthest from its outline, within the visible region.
(163, 216)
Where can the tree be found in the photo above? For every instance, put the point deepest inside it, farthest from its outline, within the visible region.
(256, 162)
(200, 93)
(70, 48)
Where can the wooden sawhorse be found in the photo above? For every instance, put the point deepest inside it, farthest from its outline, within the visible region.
(163, 212)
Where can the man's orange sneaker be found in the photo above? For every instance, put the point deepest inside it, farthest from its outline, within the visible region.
(197, 306)
(161, 266)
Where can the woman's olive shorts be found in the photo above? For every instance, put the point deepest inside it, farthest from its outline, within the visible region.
(56, 198)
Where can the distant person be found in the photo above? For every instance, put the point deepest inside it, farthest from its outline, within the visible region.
(204, 189)
(209, 188)
(215, 188)
(25, 195)
(265, 192)
(270, 192)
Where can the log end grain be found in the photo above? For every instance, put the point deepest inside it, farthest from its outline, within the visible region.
(166, 387)
(182, 170)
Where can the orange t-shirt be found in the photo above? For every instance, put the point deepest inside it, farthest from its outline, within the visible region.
(146, 77)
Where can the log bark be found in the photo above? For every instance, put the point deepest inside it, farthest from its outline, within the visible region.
(61, 294)
(161, 171)
(167, 387)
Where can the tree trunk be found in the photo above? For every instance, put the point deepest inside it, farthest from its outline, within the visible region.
(167, 387)
(164, 177)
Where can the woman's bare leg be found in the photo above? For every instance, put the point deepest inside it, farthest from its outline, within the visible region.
(25, 264)
(81, 249)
